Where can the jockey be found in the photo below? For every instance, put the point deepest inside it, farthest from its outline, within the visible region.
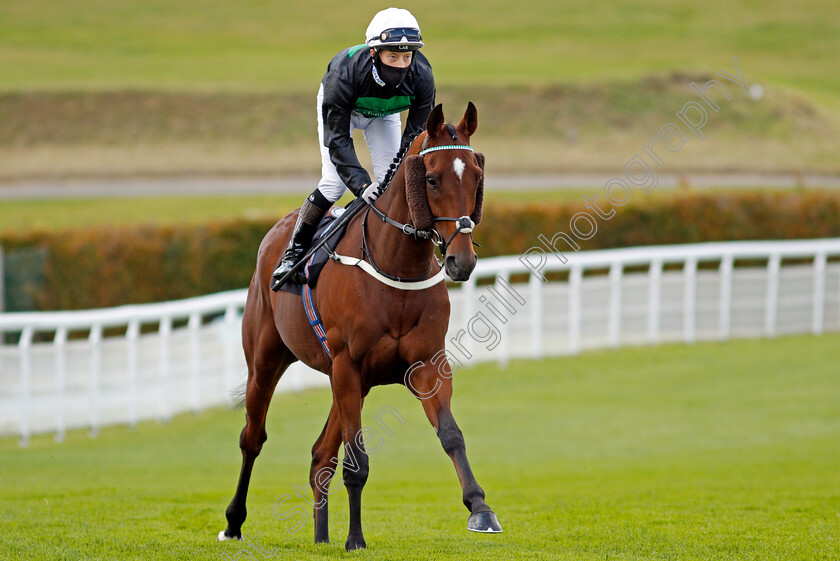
(365, 87)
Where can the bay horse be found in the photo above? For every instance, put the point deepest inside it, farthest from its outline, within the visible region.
(375, 333)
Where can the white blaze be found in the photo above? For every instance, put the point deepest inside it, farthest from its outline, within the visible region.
(459, 166)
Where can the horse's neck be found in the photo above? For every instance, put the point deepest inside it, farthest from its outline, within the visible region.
(393, 251)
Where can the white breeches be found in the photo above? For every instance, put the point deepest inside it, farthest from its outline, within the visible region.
(382, 135)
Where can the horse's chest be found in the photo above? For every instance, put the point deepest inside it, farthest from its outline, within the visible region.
(401, 339)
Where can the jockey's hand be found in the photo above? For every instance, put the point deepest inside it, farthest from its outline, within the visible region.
(371, 193)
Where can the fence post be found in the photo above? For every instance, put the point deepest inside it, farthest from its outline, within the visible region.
(616, 273)
(25, 347)
(194, 326)
(230, 350)
(690, 300)
(725, 312)
(771, 310)
(819, 293)
(95, 339)
(165, 332)
(575, 282)
(132, 334)
(60, 382)
(2, 290)
(504, 330)
(654, 289)
(468, 289)
(536, 292)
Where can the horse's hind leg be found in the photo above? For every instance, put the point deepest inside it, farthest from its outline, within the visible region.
(435, 392)
(267, 360)
(324, 463)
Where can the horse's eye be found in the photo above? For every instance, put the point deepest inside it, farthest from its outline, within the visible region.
(431, 179)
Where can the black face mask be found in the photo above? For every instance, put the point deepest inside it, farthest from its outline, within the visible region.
(391, 75)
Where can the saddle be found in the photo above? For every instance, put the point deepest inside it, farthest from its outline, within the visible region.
(316, 262)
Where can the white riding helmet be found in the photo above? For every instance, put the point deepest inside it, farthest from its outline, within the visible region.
(394, 29)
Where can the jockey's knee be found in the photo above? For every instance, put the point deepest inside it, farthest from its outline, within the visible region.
(330, 190)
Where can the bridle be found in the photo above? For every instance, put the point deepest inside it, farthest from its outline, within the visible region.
(463, 225)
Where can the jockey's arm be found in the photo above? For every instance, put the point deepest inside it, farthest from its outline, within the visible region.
(424, 102)
(336, 108)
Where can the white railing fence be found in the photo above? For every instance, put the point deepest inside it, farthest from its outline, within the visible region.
(62, 370)
(2, 285)
(655, 294)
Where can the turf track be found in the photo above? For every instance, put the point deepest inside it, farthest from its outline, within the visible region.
(715, 451)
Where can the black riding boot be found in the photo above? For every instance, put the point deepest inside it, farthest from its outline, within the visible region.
(310, 215)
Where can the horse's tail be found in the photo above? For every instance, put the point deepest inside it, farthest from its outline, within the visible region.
(237, 394)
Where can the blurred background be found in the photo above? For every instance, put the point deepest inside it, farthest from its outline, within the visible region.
(107, 106)
(147, 146)
(124, 88)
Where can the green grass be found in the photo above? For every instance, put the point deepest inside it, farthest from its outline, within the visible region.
(714, 451)
(207, 86)
(522, 130)
(212, 44)
(51, 215)
(61, 214)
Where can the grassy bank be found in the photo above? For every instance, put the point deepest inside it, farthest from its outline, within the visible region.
(20, 216)
(521, 129)
(65, 214)
(145, 88)
(714, 451)
(263, 45)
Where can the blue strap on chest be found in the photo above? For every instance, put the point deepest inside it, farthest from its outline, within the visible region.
(312, 313)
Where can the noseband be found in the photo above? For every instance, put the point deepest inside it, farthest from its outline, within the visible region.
(463, 225)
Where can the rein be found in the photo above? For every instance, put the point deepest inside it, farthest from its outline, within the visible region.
(464, 225)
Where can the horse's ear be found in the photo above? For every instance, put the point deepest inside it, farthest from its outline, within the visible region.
(435, 121)
(479, 192)
(469, 123)
(415, 192)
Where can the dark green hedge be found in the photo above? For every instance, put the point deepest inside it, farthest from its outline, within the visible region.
(107, 267)
(684, 218)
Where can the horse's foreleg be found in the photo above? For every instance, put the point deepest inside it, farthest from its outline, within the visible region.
(347, 393)
(324, 464)
(435, 393)
(261, 383)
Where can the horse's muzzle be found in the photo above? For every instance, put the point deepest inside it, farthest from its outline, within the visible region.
(460, 267)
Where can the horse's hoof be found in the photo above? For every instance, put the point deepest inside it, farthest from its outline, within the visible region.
(484, 522)
(354, 544)
(224, 537)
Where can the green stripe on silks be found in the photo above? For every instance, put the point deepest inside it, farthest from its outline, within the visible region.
(356, 49)
(378, 107)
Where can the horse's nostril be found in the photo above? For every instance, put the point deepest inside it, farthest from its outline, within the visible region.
(451, 264)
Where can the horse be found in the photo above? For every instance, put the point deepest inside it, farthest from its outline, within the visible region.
(374, 334)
